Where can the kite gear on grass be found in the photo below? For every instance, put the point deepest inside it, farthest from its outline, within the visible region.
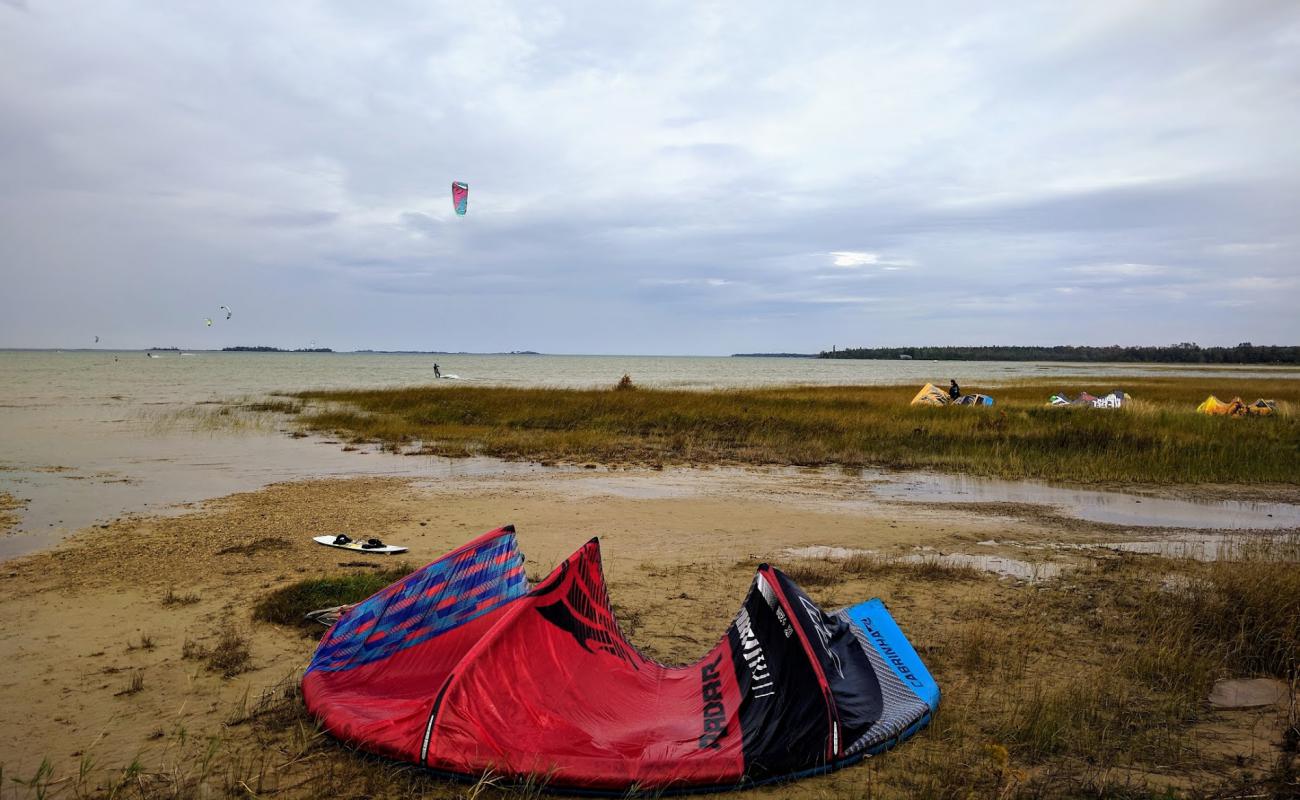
(931, 395)
(462, 667)
(325, 616)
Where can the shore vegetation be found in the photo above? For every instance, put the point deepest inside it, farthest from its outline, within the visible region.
(1157, 439)
(1090, 685)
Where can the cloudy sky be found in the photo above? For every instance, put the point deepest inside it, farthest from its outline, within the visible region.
(684, 177)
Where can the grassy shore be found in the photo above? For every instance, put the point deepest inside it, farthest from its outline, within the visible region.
(1159, 439)
(1093, 685)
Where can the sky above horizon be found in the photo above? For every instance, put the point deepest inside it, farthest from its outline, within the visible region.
(682, 178)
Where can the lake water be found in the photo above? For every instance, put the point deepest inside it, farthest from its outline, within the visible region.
(86, 436)
(42, 377)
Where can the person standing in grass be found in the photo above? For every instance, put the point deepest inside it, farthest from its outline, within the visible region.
(954, 391)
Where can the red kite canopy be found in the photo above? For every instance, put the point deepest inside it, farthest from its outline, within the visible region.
(460, 668)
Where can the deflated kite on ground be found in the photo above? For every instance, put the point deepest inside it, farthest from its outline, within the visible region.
(931, 395)
(1116, 399)
(462, 668)
(1236, 407)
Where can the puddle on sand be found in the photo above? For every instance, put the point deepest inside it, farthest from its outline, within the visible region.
(658, 487)
(1217, 547)
(1031, 572)
(1195, 546)
(1115, 508)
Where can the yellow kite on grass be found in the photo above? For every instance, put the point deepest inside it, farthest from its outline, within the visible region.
(930, 395)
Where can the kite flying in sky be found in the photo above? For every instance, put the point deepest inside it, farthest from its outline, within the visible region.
(460, 197)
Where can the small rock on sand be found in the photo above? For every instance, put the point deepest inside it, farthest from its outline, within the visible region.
(1247, 693)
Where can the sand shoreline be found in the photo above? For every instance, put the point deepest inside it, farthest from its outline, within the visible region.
(85, 619)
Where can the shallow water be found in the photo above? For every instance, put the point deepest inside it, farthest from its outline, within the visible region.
(87, 436)
(1216, 547)
(157, 474)
(1114, 508)
(1030, 571)
(40, 376)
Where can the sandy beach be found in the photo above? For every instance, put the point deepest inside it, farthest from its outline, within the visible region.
(86, 620)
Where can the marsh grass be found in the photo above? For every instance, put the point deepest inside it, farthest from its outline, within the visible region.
(174, 599)
(288, 605)
(146, 643)
(269, 747)
(253, 547)
(830, 571)
(133, 686)
(275, 406)
(1159, 439)
(1092, 684)
(1248, 611)
(230, 655)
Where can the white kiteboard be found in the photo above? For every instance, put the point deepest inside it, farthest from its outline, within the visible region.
(357, 546)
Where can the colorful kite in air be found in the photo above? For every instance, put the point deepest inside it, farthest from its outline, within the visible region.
(207, 321)
(460, 197)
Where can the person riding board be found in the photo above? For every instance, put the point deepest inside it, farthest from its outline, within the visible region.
(954, 391)
(437, 373)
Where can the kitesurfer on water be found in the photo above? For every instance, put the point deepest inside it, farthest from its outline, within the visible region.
(437, 373)
(954, 391)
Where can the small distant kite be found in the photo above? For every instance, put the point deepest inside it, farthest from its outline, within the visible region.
(207, 321)
(460, 197)
(227, 310)
(96, 340)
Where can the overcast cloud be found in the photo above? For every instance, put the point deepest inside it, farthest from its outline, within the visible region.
(649, 178)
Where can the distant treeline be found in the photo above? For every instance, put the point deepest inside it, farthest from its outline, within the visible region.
(267, 349)
(1185, 353)
(446, 353)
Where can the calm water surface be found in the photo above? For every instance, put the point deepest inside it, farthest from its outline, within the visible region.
(86, 436)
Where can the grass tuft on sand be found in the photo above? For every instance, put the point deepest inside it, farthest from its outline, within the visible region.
(288, 605)
(1158, 439)
(230, 655)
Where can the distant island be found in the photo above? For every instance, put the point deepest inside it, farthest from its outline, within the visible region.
(774, 355)
(266, 349)
(165, 349)
(1184, 353)
(446, 353)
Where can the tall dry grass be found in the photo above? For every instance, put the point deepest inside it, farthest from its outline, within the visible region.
(1159, 439)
